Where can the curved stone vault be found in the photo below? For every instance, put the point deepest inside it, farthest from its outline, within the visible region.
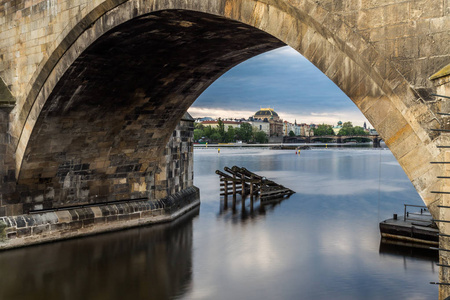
(100, 85)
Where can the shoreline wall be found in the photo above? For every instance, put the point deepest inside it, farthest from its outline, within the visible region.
(29, 229)
(170, 195)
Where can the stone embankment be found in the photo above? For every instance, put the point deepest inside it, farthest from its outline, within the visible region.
(61, 224)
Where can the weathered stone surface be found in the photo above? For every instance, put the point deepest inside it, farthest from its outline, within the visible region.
(48, 40)
(91, 78)
(47, 226)
(100, 85)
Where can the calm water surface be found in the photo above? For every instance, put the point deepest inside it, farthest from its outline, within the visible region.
(321, 243)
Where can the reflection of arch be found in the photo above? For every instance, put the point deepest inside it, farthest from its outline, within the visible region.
(162, 256)
(378, 89)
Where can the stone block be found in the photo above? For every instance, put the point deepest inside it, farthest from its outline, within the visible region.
(63, 216)
(88, 222)
(59, 227)
(36, 230)
(23, 232)
(112, 218)
(100, 220)
(75, 225)
(135, 216)
(125, 217)
(146, 214)
(11, 235)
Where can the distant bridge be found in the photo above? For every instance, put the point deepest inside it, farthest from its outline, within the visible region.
(376, 139)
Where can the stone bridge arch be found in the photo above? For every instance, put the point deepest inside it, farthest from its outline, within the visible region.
(350, 43)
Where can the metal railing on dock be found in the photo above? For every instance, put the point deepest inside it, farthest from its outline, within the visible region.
(423, 211)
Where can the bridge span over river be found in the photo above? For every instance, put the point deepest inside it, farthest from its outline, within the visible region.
(101, 84)
(334, 138)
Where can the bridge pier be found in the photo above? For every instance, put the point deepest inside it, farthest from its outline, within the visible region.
(9, 202)
(166, 193)
(376, 142)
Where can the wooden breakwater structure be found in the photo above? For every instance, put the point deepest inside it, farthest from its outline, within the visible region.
(241, 181)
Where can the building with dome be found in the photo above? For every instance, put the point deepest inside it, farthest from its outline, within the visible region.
(337, 128)
(275, 122)
(266, 113)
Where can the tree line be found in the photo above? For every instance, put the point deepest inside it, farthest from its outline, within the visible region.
(219, 134)
(346, 130)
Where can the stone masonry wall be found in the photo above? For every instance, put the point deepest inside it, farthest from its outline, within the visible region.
(7, 167)
(380, 53)
(171, 194)
(441, 80)
(42, 227)
(175, 171)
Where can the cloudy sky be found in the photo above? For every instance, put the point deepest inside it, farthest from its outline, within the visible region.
(284, 80)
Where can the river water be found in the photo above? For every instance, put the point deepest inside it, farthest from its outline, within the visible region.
(321, 243)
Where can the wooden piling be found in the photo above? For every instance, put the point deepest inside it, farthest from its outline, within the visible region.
(257, 185)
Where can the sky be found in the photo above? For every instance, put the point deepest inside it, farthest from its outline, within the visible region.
(283, 80)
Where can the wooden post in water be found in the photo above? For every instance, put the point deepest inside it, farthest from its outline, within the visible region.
(242, 186)
(234, 192)
(225, 198)
(251, 194)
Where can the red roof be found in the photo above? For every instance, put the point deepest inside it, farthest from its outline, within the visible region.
(224, 122)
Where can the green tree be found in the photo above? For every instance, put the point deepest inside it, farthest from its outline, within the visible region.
(221, 128)
(199, 126)
(291, 133)
(348, 129)
(198, 134)
(347, 125)
(216, 137)
(358, 130)
(2, 230)
(244, 133)
(323, 129)
(230, 136)
(208, 131)
(260, 137)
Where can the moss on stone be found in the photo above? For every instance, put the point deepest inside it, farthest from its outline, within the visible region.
(441, 73)
(2, 231)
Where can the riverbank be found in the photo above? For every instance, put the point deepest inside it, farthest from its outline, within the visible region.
(290, 146)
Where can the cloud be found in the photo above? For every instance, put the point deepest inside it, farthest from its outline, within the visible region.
(282, 79)
(315, 118)
(199, 112)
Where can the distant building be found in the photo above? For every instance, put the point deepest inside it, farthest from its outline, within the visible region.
(199, 120)
(297, 129)
(306, 130)
(337, 128)
(261, 125)
(288, 127)
(275, 122)
(215, 124)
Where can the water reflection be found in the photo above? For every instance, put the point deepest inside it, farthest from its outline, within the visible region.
(408, 251)
(322, 243)
(247, 210)
(142, 263)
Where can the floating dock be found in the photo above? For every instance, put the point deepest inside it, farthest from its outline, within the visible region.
(411, 227)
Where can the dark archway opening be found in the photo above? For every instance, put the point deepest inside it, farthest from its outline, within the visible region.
(106, 123)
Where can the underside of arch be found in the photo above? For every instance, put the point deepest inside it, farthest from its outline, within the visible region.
(101, 84)
(107, 121)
